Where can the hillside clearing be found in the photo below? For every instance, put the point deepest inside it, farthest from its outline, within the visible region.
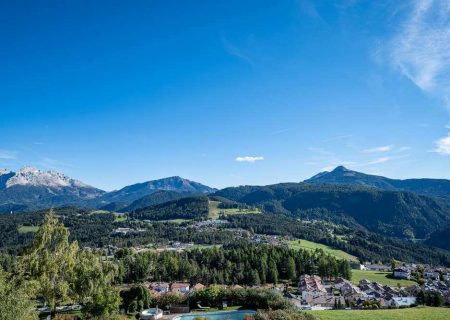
(419, 313)
(120, 217)
(309, 245)
(381, 277)
(28, 229)
(215, 211)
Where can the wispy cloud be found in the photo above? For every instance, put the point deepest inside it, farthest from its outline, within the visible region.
(443, 145)
(379, 149)
(236, 51)
(276, 132)
(421, 50)
(378, 161)
(250, 159)
(8, 155)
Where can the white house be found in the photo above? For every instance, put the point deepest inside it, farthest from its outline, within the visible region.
(446, 276)
(434, 275)
(401, 273)
(403, 301)
(160, 287)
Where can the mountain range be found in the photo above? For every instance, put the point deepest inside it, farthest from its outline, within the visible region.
(406, 208)
(31, 189)
(411, 208)
(342, 175)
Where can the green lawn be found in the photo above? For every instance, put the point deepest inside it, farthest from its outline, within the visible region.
(174, 220)
(28, 229)
(229, 212)
(120, 217)
(381, 277)
(204, 246)
(309, 245)
(215, 211)
(419, 313)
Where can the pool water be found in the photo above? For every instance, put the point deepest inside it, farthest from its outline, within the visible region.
(151, 312)
(224, 315)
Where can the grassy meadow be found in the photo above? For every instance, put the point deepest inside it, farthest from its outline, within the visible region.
(215, 211)
(28, 229)
(418, 313)
(381, 277)
(309, 245)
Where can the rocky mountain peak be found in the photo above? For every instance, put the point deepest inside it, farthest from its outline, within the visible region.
(32, 176)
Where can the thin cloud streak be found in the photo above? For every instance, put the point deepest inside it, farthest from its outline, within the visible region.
(379, 149)
(379, 160)
(8, 155)
(235, 51)
(250, 159)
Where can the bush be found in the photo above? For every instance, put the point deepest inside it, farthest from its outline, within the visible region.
(282, 315)
(136, 299)
(163, 301)
(247, 298)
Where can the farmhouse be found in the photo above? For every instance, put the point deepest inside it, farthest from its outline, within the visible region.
(403, 301)
(433, 275)
(402, 273)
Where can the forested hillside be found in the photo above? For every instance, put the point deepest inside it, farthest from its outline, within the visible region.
(440, 238)
(157, 197)
(185, 208)
(393, 213)
(238, 263)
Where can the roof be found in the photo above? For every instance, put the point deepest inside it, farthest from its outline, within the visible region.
(198, 286)
(178, 285)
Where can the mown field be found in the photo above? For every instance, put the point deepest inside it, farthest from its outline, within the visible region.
(28, 229)
(215, 211)
(120, 217)
(419, 313)
(381, 277)
(309, 245)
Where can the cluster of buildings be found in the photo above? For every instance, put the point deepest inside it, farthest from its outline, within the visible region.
(317, 294)
(125, 231)
(183, 288)
(406, 271)
(443, 287)
(270, 239)
(313, 293)
(210, 223)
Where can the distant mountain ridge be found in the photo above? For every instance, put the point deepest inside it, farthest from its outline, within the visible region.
(158, 197)
(31, 189)
(136, 191)
(30, 176)
(342, 175)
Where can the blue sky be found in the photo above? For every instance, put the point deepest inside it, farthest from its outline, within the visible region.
(225, 92)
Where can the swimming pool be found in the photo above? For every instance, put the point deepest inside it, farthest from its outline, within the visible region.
(224, 315)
